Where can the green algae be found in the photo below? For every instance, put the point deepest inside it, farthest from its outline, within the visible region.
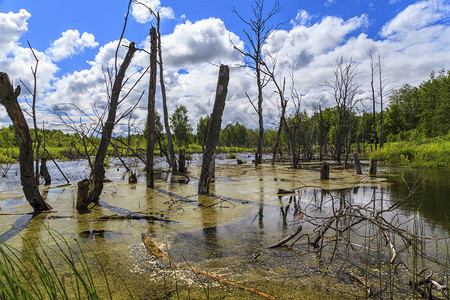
(226, 234)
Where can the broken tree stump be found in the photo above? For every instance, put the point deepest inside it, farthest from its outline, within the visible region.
(132, 178)
(82, 196)
(325, 171)
(182, 161)
(214, 130)
(44, 172)
(373, 167)
(357, 164)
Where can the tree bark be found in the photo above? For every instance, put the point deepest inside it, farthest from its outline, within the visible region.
(182, 161)
(98, 173)
(214, 129)
(8, 98)
(151, 108)
(82, 195)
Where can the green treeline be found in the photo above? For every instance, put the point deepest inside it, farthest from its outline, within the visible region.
(415, 131)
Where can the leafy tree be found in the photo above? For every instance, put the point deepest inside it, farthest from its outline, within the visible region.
(202, 130)
(179, 123)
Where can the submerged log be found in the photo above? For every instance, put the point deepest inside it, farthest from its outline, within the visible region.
(325, 171)
(214, 130)
(151, 247)
(8, 98)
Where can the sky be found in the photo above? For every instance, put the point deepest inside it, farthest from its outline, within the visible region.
(75, 43)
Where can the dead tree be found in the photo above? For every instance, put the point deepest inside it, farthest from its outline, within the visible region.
(260, 30)
(214, 129)
(151, 109)
(98, 172)
(373, 70)
(344, 90)
(381, 89)
(8, 98)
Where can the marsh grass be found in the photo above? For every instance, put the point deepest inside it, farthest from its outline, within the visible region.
(45, 271)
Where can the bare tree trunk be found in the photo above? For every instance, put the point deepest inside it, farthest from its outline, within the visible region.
(44, 172)
(380, 70)
(173, 159)
(357, 164)
(214, 129)
(98, 173)
(151, 108)
(373, 166)
(260, 114)
(8, 98)
(325, 171)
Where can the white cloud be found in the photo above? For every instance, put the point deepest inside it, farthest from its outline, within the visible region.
(194, 43)
(141, 13)
(417, 16)
(302, 18)
(70, 43)
(12, 26)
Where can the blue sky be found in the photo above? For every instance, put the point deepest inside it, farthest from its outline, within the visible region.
(74, 39)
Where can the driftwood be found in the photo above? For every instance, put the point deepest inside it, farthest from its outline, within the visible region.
(288, 238)
(151, 247)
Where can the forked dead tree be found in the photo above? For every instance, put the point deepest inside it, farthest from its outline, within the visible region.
(8, 98)
(214, 130)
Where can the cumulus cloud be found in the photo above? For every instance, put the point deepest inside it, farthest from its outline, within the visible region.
(417, 16)
(194, 43)
(12, 26)
(70, 43)
(302, 18)
(140, 12)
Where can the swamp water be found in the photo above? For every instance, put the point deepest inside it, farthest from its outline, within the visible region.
(228, 234)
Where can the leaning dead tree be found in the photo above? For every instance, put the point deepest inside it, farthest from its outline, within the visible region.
(8, 98)
(98, 173)
(151, 109)
(214, 129)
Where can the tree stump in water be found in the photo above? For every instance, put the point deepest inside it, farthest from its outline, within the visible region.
(182, 161)
(44, 172)
(325, 171)
(373, 167)
(83, 191)
(357, 164)
(214, 131)
(132, 178)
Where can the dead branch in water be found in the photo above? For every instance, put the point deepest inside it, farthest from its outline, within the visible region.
(288, 238)
(151, 247)
(363, 282)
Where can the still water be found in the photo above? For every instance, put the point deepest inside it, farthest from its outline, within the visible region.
(227, 234)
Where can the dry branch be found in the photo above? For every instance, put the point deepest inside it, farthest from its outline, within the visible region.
(288, 238)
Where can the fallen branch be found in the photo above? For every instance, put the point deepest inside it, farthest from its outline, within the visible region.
(363, 282)
(288, 238)
(132, 217)
(391, 246)
(154, 250)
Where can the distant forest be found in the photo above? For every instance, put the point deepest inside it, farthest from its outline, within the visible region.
(414, 113)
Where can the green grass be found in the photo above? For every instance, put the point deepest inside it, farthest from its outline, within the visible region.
(35, 272)
(432, 153)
